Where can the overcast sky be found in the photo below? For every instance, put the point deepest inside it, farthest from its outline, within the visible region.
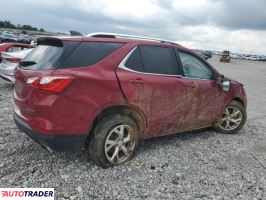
(235, 25)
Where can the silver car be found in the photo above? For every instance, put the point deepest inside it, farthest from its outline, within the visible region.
(9, 63)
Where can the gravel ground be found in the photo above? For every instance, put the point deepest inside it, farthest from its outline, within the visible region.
(198, 165)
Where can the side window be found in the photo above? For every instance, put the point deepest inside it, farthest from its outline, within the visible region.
(151, 59)
(24, 48)
(14, 49)
(134, 62)
(194, 68)
(158, 60)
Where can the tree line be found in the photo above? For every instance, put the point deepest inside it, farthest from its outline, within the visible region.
(8, 24)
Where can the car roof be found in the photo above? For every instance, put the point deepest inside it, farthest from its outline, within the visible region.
(136, 41)
(132, 41)
(117, 37)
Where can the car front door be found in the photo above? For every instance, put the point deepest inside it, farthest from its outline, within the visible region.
(203, 94)
(150, 80)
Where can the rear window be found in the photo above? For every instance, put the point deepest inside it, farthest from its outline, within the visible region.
(68, 55)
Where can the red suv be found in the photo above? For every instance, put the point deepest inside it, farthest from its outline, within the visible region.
(107, 92)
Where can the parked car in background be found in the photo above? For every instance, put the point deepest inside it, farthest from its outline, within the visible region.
(254, 57)
(202, 54)
(262, 58)
(8, 37)
(9, 62)
(205, 54)
(24, 39)
(13, 47)
(1, 36)
(109, 91)
(225, 57)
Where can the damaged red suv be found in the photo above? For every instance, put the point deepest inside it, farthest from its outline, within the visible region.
(107, 92)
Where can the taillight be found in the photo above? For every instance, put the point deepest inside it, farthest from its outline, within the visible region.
(50, 83)
(13, 60)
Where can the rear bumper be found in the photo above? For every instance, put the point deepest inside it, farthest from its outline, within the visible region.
(52, 142)
(7, 73)
(8, 78)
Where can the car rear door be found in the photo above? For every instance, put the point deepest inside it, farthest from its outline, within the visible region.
(203, 93)
(150, 80)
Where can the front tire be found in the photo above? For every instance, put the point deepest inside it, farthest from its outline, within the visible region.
(233, 119)
(114, 140)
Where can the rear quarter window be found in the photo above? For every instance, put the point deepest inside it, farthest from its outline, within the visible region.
(90, 53)
(68, 54)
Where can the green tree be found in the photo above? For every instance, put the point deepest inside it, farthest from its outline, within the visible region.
(8, 24)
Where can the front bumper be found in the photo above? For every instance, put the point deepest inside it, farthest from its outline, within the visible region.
(52, 142)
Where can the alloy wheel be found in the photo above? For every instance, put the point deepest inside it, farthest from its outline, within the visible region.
(120, 144)
(231, 118)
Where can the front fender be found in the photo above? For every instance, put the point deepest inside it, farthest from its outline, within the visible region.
(236, 92)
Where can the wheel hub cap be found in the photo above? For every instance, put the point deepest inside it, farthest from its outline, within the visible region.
(231, 118)
(119, 144)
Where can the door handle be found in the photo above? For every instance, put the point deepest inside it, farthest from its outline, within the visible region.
(194, 85)
(136, 81)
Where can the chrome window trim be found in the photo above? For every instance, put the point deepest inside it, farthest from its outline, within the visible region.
(123, 62)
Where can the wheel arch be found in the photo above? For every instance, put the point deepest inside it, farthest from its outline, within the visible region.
(239, 100)
(128, 110)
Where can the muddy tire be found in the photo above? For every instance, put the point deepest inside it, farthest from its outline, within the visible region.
(114, 141)
(233, 119)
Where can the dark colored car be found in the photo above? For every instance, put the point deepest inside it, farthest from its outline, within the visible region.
(7, 37)
(24, 39)
(225, 57)
(13, 47)
(205, 54)
(208, 54)
(107, 93)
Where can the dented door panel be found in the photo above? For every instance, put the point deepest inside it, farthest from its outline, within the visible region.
(203, 102)
(161, 98)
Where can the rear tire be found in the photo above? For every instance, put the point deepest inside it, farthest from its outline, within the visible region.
(233, 119)
(114, 140)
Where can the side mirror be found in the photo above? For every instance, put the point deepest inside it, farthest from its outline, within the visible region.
(224, 85)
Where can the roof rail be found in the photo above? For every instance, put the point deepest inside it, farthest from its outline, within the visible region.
(118, 35)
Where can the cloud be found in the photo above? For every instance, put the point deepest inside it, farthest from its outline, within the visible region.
(243, 14)
(211, 24)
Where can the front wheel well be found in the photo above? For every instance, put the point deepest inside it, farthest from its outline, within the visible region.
(239, 101)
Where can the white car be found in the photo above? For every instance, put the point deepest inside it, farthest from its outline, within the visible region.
(9, 63)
